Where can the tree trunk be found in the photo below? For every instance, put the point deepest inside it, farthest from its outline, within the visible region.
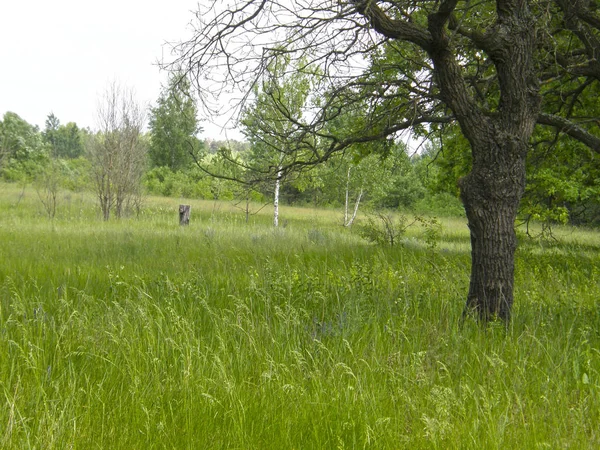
(356, 204)
(184, 214)
(491, 194)
(276, 199)
(105, 196)
(347, 198)
(499, 143)
(247, 211)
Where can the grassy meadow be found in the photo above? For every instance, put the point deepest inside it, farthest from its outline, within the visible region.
(140, 334)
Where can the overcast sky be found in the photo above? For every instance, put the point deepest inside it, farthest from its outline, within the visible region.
(59, 56)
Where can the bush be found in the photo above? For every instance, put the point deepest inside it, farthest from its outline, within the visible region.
(384, 229)
(441, 204)
(188, 184)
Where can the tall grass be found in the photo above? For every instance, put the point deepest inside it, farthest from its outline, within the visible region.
(144, 334)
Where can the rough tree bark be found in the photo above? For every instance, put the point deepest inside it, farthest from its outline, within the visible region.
(491, 192)
(184, 214)
(491, 204)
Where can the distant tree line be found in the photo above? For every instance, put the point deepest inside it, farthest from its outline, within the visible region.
(121, 161)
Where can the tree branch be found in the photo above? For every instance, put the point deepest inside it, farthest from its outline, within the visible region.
(393, 28)
(571, 129)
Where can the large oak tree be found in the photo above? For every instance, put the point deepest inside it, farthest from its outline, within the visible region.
(495, 68)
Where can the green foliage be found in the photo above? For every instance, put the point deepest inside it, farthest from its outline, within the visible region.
(387, 180)
(188, 184)
(213, 145)
(174, 127)
(280, 100)
(563, 184)
(400, 186)
(55, 154)
(76, 174)
(448, 159)
(65, 141)
(432, 230)
(388, 229)
(562, 179)
(20, 140)
(440, 204)
(384, 229)
(22, 150)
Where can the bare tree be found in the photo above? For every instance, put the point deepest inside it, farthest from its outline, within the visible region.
(487, 66)
(117, 151)
(47, 185)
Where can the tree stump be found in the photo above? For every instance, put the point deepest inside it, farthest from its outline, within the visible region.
(184, 214)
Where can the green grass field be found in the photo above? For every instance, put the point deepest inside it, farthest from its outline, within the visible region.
(140, 334)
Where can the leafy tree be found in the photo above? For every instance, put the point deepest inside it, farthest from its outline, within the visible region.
(402, 188)
(378, 180)
(562, 176)
(268, 122)
(22, 150)
(213, 146)
(562, 184)
(493, 68)
(65, 140)
(52, 125)
(174, 126)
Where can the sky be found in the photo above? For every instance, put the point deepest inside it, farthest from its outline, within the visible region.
(60, 56)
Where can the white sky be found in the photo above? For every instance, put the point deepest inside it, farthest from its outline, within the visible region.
(59, 56)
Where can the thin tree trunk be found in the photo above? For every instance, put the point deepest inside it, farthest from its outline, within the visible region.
(247, 206)
(105, 195)
(347, 198)
(355, 212)
(276, 198)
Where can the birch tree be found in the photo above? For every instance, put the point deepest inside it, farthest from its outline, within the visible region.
(281, 95)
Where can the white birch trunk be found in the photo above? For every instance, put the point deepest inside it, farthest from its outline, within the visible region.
(347, 196)
(276, 198)
(349, 223)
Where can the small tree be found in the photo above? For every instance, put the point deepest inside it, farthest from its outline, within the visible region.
(50, 134)
(61, 141)
(283, 94)
(47, 184)
(117, 152)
